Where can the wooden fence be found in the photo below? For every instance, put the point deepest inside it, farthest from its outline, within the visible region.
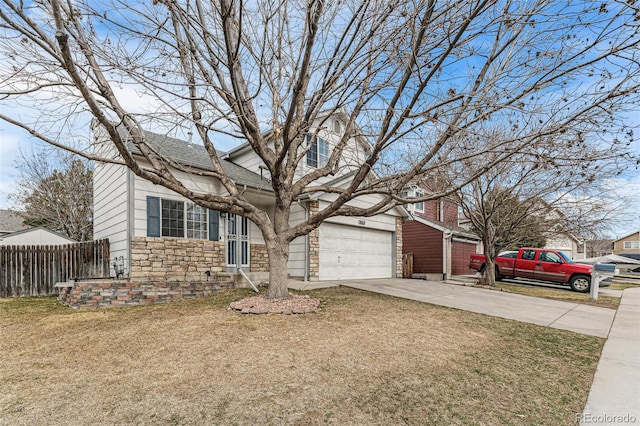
(407, 265)
(34, 270)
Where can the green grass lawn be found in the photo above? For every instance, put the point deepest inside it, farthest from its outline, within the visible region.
(363, 358)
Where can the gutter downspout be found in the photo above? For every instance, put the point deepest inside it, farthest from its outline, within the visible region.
(446, 238)
(241, 272)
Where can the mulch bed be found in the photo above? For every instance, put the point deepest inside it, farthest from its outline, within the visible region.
(294, 304)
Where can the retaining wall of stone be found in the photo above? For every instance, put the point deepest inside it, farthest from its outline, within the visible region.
(111, 293)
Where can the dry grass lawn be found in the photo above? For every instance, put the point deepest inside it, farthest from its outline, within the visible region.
(562, 294)
(624, 283)
(362, 359)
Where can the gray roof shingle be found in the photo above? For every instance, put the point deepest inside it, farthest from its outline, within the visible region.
(193, 155)
(10, 221)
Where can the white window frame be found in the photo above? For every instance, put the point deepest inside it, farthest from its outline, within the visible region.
(321, 153)
(185, 220)
(419, 206)
(628, 245)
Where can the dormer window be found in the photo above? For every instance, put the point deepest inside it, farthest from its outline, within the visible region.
(318, 154)
(337, 128)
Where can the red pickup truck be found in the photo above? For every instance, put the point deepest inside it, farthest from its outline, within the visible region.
(539, 264)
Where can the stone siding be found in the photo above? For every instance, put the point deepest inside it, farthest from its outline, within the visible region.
(314, 246)
(399, 221)
(113, 293)
(259, 258)
(175, 259)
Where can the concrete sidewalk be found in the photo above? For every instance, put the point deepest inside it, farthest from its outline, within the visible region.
(615, 393)
(614, 397)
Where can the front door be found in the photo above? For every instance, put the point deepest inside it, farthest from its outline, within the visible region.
(237, 236)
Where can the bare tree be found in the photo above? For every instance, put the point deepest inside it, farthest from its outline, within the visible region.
(410, 75)
(56, 192)
(554, 186)
(513, 222)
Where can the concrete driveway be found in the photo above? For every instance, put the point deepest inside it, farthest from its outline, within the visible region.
(591, 320)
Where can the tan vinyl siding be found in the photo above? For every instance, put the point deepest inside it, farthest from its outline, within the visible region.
(634, 239)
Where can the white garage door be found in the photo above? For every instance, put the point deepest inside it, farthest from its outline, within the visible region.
(348, 252)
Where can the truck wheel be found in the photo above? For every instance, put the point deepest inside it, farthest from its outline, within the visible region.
(482, 268)
(499, 276)
(580, 283)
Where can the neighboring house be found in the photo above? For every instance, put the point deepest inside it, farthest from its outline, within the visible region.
(10, 221)
(558, 238)
(159, 235)
(629, 244)
(566, 243)
(34, 237)
(440, 248)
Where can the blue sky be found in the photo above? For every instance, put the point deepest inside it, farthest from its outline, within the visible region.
(13, 141)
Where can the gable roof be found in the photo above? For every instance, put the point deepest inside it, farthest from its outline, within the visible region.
(340, 114)
(455, 231)
(194, 155)
(37, 228)
(10, 221)
(630, 235)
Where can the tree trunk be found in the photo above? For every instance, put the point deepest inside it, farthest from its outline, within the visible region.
(488, 242)
(490, 271)
(278, 257)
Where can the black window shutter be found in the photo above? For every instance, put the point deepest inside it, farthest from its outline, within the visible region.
(153, 216)
(214, 228)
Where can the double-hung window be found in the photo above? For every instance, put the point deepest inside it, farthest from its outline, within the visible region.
(631, 245)
(318, 154)
(183, 220)
(419, 206)
(172, 218)
(196, 221)
(180, 219)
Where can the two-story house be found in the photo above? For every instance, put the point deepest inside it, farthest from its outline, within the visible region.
(440, 248)
(629, 244)
(156, 233)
